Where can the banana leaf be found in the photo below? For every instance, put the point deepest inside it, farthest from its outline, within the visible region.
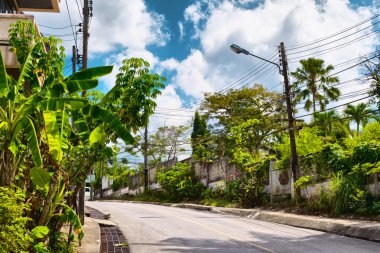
(71, 86)
(110, 121)
(3, 78)
(91, 73)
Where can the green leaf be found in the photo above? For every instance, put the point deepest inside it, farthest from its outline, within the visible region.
(40, 232)
(71, 86)
(91, 73)
(3, 78)
(110, 121)
(97, 135)
(25, 70)
(12, 145)
(72, 217)
(57, 128)
(40, 177)
(58, 104)
(81, 126)
(40, 248)
(31, 138)
(4, 125)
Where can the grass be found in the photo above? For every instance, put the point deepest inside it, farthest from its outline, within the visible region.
(220, 202)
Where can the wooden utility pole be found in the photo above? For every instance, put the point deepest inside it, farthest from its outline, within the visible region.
(74, 60)
(146, 159)
(86, 15)
(294, 156)
(84, 66)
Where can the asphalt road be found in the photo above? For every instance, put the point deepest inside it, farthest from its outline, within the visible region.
(154, 228)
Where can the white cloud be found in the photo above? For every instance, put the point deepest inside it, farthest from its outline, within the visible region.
(260, 30)
(131, 25)
(181, 30)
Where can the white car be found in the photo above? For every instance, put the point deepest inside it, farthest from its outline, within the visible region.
(87, 193)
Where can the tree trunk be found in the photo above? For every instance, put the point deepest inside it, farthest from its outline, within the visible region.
(44, 217)
(314, 98)
(357, 127)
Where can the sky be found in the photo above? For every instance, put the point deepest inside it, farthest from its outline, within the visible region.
(187, 41)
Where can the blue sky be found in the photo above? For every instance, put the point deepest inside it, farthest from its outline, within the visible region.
(188, 42)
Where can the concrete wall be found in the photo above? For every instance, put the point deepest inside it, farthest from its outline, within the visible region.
(216, 176)
(279, 183)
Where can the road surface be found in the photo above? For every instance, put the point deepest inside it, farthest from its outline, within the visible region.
(154, 228)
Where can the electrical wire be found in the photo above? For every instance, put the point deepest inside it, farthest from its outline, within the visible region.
(293, 47)
(55, 28)
(80, 13)
(71, 24)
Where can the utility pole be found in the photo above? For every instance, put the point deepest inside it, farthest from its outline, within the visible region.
(86, 15)
(74, 60)
(294, 157)
(146, 159)
(84, 66)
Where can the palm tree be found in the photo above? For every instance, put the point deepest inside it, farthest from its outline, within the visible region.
(313, 84)
(330, 124)
(360, 113)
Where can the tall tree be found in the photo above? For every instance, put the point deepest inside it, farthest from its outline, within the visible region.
(167, 143)
(330, 124)
(360, 113)
(236, 107)
(133, 95)
(199, 136)
(313, 84)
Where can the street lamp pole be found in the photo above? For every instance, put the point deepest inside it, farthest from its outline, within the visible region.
(284, 72)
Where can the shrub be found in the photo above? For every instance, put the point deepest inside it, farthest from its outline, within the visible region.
(14, 236)
(179, 183)
(366, 152)
(331, 159)
(247, 192)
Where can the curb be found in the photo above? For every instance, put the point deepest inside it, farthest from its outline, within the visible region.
(367, 230)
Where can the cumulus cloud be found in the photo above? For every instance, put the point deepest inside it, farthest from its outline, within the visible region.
(260, 30)
(127, 25)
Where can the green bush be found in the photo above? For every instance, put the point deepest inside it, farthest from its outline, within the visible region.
(14, 236)
(179, 183)
(331, 159)
(366, 152)
(247, 192)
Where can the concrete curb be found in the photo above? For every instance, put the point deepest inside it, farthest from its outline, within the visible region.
(367, 230)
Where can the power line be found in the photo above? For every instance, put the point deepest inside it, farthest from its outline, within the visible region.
(338, 46)
(330, 42)
(80, 13)
(332, 35)
(56, 28)
(334, 107)
(71, 24)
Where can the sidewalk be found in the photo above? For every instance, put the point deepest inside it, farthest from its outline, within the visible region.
(91, 239)
(368, 230)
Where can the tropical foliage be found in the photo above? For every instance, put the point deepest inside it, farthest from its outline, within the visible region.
(50, 139)
(313, 84)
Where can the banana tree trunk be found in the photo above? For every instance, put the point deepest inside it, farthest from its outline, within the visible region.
(44, 217)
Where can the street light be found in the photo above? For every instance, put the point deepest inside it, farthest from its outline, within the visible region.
(284, 72)
(239, 50)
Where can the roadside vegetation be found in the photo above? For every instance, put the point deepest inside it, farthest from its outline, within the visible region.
(338, 149)
(51, 136)
(55, 130)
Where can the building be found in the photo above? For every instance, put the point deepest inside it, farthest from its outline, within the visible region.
(10, 12)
